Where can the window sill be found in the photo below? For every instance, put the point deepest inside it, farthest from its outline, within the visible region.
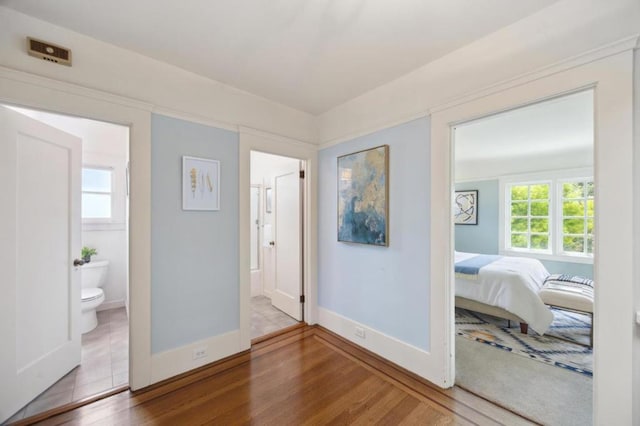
(547, 256)
(103, 226)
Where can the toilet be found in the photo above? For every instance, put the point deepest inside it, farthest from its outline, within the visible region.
(94, 275)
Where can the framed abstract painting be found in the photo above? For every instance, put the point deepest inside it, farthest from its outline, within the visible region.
(465, 207)
(363, 197)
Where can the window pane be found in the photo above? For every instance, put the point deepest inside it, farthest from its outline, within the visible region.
(540, 192)
(590, 245)
(96, 180)
(519, 240)
(573, 244)
(520, 192)
(540, 242)
(573, 208)
(96, 206)
(590, 208)
(590, 189)
(519, 208)
(573, 190)
(590, 226)
(573, 226)
(540, 208)
(519, 225)
(540, 225)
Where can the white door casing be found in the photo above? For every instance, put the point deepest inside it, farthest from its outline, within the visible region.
(40, 235)
(288, 244)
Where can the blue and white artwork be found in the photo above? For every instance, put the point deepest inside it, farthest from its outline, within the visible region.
(363, 197)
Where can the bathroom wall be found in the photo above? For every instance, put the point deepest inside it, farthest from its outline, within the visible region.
(105, 145)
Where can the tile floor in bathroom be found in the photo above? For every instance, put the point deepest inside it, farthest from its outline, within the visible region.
(105, 365)
(266, 319)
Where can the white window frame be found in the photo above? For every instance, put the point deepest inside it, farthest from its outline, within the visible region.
(109, 219)
(119, 192)
(555, 179)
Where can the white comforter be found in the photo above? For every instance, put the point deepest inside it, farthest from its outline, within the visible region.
(511, 283)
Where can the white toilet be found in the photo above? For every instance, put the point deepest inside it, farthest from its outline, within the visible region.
(93, 277)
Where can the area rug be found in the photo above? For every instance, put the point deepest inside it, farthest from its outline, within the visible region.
(548, 349)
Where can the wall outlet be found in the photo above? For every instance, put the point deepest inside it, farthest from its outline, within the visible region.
(199, 353)
(360, 332)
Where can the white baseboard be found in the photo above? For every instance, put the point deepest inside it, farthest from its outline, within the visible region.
(180, 360)
(112, 304)
(403, 354)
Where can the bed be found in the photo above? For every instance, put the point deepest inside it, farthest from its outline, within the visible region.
(505, 287)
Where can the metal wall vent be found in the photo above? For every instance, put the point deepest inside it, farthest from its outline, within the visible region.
(48, 52)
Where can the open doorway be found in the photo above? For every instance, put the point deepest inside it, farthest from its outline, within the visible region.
(276, 203)
(524, 218)
(87, 311)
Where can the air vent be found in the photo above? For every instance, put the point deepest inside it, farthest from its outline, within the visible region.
(48, 52)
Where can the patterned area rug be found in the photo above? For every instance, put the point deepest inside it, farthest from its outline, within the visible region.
(548, 349)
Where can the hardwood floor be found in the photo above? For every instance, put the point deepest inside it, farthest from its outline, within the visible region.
(304, 376)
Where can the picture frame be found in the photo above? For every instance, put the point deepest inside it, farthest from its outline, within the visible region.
(200, 184)
(465, 207)
(268, 199)
(363, 197)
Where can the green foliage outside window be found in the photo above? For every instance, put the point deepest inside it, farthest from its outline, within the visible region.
(530, 216)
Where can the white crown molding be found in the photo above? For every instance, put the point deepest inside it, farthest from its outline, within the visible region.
(195, 118)
(275, 137)
(71, 88)
(601, 52)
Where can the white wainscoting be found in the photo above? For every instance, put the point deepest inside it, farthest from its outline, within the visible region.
(390, 348)
(180, 360)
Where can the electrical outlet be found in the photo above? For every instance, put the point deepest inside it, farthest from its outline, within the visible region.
(360, 332)
(199, 353)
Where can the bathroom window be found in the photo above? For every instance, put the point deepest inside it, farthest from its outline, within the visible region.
(97, 193)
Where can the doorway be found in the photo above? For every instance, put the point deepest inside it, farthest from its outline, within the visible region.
(525, 200)
(97, 323)
(276, 244)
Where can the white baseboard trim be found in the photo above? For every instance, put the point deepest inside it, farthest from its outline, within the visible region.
(405, 355)
(180, 360)
(112, 304)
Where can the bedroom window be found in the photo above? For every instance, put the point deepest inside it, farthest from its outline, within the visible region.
(548, 216)
(577, 216)
(529, 216)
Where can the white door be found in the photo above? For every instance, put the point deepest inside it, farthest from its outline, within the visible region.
(39, 238)
(288, 244)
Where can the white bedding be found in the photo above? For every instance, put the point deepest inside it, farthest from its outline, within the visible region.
(511, 283)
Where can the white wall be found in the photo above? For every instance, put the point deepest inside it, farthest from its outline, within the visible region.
(555, 34)
(107, 145)
(636, 206)
(171, 90)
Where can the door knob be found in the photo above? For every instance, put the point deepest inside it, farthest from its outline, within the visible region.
(272, 243)
(78, 262)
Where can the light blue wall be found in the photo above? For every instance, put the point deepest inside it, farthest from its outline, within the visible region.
(385, 288)
(483, 238)
(194, 254)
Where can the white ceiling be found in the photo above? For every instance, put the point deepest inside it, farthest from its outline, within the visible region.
(555, 134)
(310, 55)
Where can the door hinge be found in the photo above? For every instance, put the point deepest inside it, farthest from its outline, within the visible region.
(302, 298)
(301, 174)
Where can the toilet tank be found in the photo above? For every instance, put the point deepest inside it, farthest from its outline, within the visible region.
(94, 273)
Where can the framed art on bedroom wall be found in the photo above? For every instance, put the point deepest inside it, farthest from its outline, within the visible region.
(465, 207)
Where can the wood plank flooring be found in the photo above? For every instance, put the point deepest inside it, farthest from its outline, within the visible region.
(307, 375)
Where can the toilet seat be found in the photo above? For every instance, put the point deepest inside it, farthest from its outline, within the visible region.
(89, 294)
